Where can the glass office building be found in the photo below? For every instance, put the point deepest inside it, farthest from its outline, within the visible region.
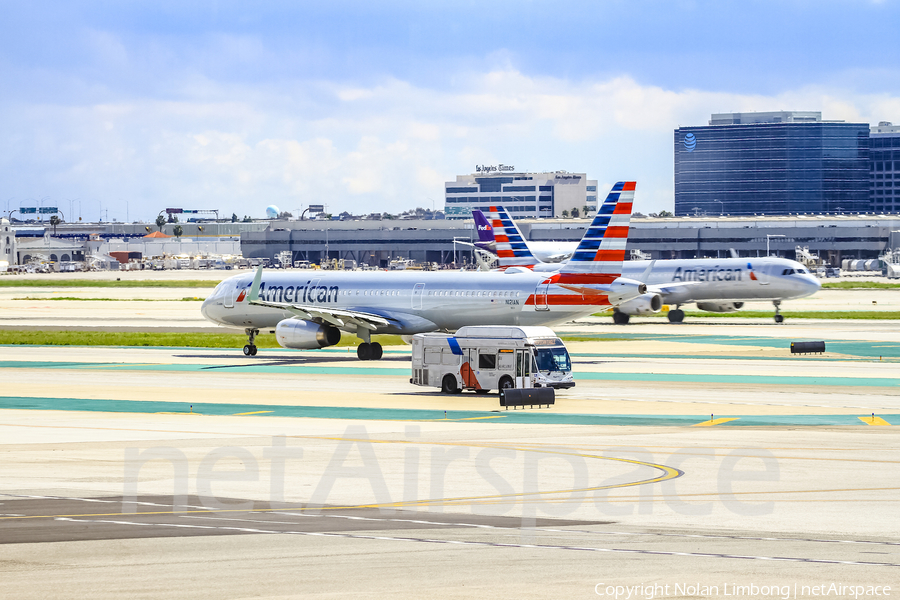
(771, 164)
(884, 175)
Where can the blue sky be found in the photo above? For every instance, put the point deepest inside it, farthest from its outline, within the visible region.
(132, 107)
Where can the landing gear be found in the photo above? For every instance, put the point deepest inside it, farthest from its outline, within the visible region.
(369, 351)
(779, 318)
(620, 318)
(676, 316)
(250, 348)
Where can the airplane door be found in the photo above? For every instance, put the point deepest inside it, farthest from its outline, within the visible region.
(540, 296)
(312, 290)
(418, 292)
(228, 300)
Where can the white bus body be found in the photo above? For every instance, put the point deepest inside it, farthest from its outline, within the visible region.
(483, 358)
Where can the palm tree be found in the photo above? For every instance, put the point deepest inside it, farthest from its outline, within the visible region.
(574, 213)
(177, 231)
(54, 220)
(160, 221)
(565, 214)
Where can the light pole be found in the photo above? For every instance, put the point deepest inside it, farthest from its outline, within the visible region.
(721, 207)
(770, 235)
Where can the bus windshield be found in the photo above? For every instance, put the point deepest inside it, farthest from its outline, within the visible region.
(553, 359)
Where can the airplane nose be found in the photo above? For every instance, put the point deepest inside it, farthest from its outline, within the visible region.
(813, 285)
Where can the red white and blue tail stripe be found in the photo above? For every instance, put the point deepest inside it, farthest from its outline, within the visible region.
(512, 250)
(602, 249)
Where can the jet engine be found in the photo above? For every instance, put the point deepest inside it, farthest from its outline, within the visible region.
(720, 307)
(623, 289)
(305, 335)
(642, 305)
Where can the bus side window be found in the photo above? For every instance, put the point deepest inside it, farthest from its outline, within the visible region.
(433, 356)
(448, 358)
(506, 361)
(487, 361)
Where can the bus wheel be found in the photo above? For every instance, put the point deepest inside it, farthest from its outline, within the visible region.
(448, 385)
(506, 383)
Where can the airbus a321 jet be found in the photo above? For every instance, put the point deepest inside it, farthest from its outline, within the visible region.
(713, 284)
(310, 310)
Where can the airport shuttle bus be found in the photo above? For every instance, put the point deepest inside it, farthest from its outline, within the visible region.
(483, 358)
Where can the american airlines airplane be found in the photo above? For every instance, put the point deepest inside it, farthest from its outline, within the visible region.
(310, 310)
(713, 284)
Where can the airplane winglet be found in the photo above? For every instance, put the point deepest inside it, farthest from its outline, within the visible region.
(646, 274)
(254, 289)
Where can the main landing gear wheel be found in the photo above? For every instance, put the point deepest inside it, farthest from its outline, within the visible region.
(448, 385)
(371, 351)
(620, 318)
(779, 318)
(676, 316)
(250, 348)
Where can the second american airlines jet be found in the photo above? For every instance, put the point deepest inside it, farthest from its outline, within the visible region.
(714, 284)
(310, 310)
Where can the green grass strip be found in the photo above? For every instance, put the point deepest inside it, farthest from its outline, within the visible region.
(859, 285)
(103, 283)
(133, 338)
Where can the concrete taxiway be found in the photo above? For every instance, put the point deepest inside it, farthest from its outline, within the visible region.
(698, 455)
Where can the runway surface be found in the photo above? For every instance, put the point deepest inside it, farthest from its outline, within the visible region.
(699, 455)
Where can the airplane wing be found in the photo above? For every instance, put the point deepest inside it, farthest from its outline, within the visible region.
(333, 316)
(674, 293)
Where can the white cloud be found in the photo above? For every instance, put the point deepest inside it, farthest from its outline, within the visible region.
(387, 146)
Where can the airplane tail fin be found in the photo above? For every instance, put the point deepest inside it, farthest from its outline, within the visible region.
(483, 227)
(601, 252)
(512, 250)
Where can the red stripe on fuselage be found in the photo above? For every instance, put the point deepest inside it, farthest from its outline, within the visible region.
(584, 278)
(571, 300)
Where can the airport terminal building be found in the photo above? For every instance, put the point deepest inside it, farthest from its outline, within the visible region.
(523, 195)
(772, 163)
(377, 243)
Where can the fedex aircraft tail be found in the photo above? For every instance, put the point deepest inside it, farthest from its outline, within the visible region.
(512, 250)
(599, 256)
(483, 227)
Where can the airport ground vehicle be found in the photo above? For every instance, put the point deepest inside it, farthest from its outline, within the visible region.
(487, 357)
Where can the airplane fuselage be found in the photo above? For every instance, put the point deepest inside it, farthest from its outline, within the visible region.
(731, 279)
(414, 301)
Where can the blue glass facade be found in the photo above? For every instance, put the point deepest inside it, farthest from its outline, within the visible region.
(884, 176)
(772, 168)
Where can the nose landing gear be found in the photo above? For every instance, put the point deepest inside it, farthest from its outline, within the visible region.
(779, 318)
(250, 348)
